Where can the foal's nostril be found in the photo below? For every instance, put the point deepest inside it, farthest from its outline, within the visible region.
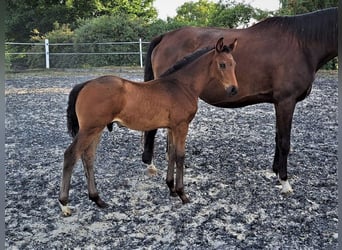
(232, 90)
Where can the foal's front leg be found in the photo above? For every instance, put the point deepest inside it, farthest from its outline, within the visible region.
(179, 137)
(170, 180)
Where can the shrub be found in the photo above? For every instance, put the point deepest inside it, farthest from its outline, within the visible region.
(60, 34)
(115, 28)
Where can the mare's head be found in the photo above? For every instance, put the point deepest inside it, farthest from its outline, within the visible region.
(223, 66)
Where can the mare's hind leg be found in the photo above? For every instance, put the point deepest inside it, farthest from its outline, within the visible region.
(170, 180)
(284, 115)
(88, 159)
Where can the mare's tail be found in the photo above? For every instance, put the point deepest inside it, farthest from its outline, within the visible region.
(148, 70)
(72, 121)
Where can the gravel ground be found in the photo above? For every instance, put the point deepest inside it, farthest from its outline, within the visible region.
(235, 202)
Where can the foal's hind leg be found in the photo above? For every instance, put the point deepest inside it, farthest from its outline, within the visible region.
(72, 154)
(88, 159)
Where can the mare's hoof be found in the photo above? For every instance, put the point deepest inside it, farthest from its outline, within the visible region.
(152, 170)
(286, 187)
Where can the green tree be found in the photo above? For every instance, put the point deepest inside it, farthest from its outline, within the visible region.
(227, 14)
(27, 15)
(232, 15)
(102, 29)
(197, 13)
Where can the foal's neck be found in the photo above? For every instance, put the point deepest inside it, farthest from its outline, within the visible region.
(195, 76)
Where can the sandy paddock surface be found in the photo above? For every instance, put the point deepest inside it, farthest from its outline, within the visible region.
(235, 202)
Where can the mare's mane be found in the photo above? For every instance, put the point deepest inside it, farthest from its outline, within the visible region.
(315, 26)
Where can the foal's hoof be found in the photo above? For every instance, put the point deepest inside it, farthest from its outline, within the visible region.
(173, 194)
(185, 199)
(66, 211)
(99, 202)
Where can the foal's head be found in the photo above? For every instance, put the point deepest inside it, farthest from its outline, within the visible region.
(223, 67)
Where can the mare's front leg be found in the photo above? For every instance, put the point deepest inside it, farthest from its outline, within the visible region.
(284, 115)
(147, 155)
(88, 159)
(179, 137)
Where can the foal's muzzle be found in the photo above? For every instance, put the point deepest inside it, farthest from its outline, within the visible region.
(232, 90)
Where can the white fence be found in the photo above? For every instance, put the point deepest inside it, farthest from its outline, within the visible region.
(139, 52)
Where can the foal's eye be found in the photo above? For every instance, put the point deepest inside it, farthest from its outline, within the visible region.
(222, 65)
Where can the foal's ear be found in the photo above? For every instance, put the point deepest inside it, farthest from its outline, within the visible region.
(232, 46)
(219, 45)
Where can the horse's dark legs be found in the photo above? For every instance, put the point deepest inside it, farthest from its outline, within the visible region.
(284, 115)
(178, 138)
(70, 159)
(147, 155)
(176, 152)
(170, 180)
(88, 159)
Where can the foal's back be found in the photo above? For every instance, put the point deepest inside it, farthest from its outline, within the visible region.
(138, 106)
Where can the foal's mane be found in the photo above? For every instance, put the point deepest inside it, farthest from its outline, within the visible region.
(315, 26)
(186, 60)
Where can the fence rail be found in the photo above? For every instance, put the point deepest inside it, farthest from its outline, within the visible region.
(46, 49)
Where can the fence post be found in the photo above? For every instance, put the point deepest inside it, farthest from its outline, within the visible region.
(141, 53)
(47, 56)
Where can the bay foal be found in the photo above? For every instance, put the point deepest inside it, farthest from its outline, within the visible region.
(168, 102)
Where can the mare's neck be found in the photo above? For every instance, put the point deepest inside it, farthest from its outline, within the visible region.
(317, 34)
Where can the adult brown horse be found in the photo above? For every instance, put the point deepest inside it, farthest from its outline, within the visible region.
(168, 102)
(276, 63)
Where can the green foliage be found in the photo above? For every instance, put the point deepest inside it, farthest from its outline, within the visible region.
(226, 14)
(61, 33)
(115, 28)
(196, 13)
(27, 15)
(293, 7)
(232, 17)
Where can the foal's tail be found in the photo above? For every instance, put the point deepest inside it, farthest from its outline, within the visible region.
(148, 70)
(72, 121)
